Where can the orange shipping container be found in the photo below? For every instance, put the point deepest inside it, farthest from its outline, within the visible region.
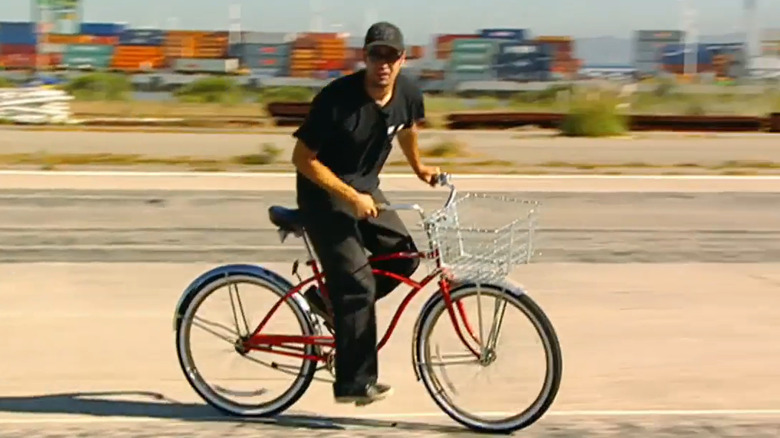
(138, 58)
(79, 39)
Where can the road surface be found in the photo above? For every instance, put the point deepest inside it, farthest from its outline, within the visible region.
(665, 303)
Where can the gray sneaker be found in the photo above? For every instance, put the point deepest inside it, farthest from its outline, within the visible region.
(372, 393)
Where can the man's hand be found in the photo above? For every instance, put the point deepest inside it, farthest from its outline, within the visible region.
(428, 174)
(363, 206)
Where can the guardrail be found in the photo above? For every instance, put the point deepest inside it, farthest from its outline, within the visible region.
(34, 105)
(293, 113)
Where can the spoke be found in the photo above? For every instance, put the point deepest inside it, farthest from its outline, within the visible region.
(213, 332)
(241, 307)
(498, 315)
(479, 318)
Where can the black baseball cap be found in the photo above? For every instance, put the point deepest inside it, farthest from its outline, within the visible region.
(384, 34)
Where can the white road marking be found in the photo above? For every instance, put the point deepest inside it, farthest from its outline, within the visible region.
(34, 419)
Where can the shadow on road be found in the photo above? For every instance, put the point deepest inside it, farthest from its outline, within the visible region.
(97, 404)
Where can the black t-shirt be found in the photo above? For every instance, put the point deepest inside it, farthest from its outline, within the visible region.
(352, 134)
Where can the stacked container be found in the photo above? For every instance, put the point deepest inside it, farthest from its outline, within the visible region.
(102, 29)
(18, 46)
(725, 60)
(264, 53)
(139, 49)
(674, 56)
(444, 43)
(88, 56)
(196, 44)
(561, 49)
(472, 59)
(319, 55)
(648, 48)
(523, 61)
(505, 34)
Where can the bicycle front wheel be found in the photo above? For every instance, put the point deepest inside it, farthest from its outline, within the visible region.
(497, 315)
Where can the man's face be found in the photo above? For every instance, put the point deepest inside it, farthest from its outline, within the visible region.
(383, 63)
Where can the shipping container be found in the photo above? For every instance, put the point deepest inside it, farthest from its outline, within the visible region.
(142, 37)
(133, 58)
(253, 50)
(203, 65)
(17, 49)
(471, 58)
(444, 43)
(505, 34)
(78, 39)
(102, 29)
(472, 45)
(265, 38)
(51, 48)
(17, 33)
(19, 61)
(556, 45)
(260, 62)
(196, 44)
(77, 50)
(532, 61)
(86, 61)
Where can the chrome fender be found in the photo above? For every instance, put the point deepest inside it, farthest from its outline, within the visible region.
(427, 308)
(272, 278)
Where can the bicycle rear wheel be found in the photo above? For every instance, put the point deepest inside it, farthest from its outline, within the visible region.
(237, 325)
(486, 415)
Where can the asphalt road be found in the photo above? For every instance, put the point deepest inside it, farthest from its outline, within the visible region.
(665, 302)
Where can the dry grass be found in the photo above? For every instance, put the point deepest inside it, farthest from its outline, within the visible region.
(268, 154)
(450, 147)
(165, 109)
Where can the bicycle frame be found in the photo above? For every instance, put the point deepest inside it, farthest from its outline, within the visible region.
(274, 342)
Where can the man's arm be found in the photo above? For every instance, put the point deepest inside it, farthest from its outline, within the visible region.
(408, 138)
(311, 137)
(305, 160)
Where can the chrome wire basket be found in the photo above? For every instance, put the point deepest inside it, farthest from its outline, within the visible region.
(481, 237)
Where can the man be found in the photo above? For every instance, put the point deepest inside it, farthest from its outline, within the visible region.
(340, 150)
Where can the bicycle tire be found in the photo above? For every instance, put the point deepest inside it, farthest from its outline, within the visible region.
(544, 328)
(281, 403)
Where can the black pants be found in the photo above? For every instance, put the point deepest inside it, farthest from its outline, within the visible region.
(340, 242)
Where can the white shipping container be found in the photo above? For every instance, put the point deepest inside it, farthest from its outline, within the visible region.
(52, 48)
(205, 65)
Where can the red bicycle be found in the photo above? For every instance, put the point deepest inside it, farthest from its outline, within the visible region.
(468, 261)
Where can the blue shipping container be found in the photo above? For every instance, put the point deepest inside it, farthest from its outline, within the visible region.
(142, 37)
(505, 34)
(670, 57)
(102, 29)
(17, 33)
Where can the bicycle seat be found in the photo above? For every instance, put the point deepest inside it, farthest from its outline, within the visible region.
(288, 219)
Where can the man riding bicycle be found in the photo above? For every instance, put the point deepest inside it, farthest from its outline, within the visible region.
(340, 150)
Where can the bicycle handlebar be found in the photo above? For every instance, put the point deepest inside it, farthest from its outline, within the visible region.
(442, 179)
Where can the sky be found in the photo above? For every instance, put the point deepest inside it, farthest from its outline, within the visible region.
(578, 18)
